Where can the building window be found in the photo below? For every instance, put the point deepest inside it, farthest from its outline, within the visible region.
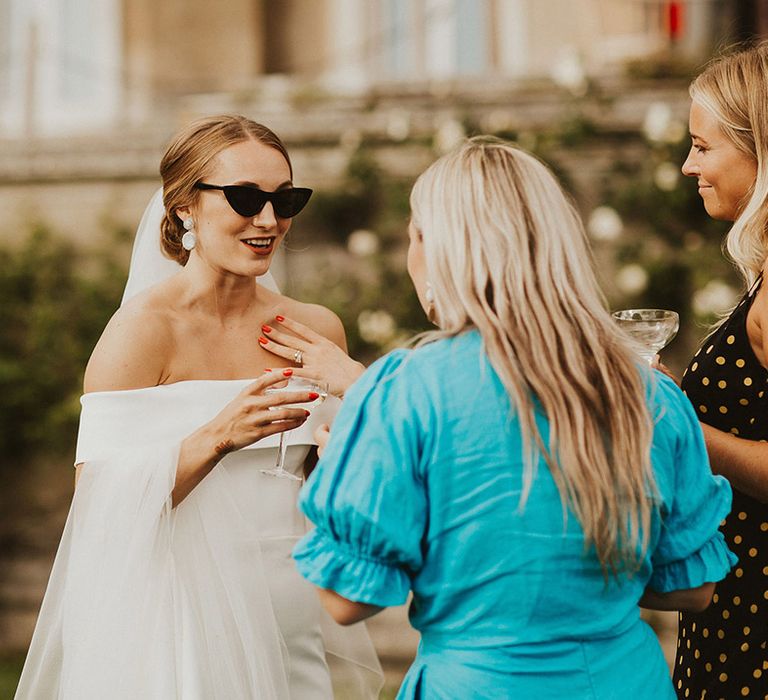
(396, 43)
(6, 49)
(79, 72)
(59, 65)
(472, 40)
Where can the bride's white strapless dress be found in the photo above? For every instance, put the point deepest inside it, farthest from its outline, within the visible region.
(199, 602)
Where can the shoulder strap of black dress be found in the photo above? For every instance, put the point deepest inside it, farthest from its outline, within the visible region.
(756, 284)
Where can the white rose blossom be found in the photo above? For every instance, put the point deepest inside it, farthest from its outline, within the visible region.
(568, 72)
(398, 124)
(363, 243)
(666, 176)
(713, 298)
(604, 224)
(658, 119)
(376, 327)
(632, 279)
(450, 133)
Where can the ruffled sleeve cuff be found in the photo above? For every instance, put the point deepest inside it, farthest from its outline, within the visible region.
(710, 563)
(327, 563)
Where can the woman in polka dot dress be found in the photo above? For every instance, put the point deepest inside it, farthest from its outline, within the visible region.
(722, 652)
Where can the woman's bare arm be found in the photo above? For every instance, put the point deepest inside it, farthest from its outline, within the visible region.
(743, 462)
(132, 352)
(687, 599)
(344, 611)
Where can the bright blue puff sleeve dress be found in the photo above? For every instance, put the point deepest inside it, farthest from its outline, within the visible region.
(418, 491)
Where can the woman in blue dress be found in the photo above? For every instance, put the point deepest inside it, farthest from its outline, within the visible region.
(520, 471)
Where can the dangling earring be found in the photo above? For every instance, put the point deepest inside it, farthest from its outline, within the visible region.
(188, 240)
(429, 297)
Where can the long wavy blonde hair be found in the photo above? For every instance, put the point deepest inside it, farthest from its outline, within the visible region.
(734, 88)
(506, 254)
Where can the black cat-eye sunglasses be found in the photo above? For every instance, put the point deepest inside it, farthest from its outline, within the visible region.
(248, 200)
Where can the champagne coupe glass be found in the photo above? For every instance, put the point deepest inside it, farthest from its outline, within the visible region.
(294, 384)
(652, 328)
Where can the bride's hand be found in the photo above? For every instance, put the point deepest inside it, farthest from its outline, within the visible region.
(319, 359)
(256, 412)
(252, 415)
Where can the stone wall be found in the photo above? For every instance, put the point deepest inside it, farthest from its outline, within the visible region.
(82, 187)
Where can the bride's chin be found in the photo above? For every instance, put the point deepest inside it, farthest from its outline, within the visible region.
(232, 269)
(260, 269)
(255, 264)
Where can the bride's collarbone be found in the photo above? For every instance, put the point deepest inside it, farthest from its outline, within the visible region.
(223, 353)
(202, 332)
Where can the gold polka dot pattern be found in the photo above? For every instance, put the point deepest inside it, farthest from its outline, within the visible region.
(724, 650)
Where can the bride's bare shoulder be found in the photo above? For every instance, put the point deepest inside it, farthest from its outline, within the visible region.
(134, 349)
(319, 318)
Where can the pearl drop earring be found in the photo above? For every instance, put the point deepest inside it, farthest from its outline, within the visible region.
(429, 297)
(188, 240)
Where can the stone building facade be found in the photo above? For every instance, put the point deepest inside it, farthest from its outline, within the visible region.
(90, 90)
(79, 66)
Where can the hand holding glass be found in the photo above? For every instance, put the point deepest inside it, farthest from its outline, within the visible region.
(652, 328)
(293, 385)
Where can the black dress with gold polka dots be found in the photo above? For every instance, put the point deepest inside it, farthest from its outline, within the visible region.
(722, 652)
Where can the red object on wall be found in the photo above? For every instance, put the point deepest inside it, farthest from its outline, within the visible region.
(674, 18)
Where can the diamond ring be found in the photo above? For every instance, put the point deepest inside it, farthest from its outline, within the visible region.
(298, 357)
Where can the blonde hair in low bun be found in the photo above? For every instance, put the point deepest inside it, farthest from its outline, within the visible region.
(506, 254)
(186, 161)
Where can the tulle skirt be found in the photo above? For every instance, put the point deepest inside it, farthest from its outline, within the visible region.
(200, 602)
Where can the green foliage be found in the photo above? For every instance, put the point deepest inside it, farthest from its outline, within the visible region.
(383, 287)
(576, 129)
(665, 65)
(10, 671)
(334, 214)
(365, 198)
(52, 311)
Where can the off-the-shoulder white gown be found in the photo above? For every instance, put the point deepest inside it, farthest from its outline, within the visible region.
(199, 602)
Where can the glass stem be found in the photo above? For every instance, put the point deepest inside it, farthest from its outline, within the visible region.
(281, 452)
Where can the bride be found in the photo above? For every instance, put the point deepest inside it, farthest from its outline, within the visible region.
(173, 578)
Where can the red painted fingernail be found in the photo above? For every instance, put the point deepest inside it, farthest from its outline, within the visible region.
(313, 395)
(266, 329)
(279, 319)
(287, 372)
(267, 369)
(263, 340)
(308, 413)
